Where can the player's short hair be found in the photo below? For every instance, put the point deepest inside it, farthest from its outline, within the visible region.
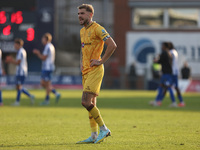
(88, 8)
(165, 44)
(48, 37)
(171, 46)
(19, 41)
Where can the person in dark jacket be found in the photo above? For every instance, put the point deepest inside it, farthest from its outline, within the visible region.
(185, 71)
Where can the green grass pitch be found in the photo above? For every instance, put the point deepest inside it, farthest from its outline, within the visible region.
(134, 124)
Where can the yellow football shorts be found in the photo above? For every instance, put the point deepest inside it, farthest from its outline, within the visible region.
(92, 80)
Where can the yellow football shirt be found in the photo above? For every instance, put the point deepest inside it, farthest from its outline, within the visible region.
(92, 43)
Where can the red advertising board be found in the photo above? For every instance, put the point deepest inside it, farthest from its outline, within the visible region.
(194, 86)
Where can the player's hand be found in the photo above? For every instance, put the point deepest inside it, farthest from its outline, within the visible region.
(8, 59)
(95, 62)
(36, 51)
(155, 60)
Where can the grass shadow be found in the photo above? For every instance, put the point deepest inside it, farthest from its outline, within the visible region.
(138, 103)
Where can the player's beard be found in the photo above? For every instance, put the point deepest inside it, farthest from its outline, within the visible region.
(84, 22)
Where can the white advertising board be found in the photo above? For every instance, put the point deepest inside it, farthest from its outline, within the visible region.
(141, 45)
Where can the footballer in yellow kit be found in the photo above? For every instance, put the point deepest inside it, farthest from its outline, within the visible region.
(93, 37)
(92, 41)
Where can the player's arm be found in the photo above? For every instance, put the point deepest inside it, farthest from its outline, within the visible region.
(39, 55)
(111, 46)
(159, 59)
(10, 59)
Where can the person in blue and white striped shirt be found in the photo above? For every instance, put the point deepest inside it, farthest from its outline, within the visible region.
(48, 66)
(21, 70)
(175, 72)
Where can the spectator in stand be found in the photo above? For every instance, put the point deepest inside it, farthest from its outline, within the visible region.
(185, 71)
(132, 76)
(156, 70)
(115, 73)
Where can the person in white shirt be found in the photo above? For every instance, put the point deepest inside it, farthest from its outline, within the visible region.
(48, 66)
(175, 72)
(21, 70)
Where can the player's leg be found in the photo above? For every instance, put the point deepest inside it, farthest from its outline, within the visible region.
(18, 88)
(93, 124)
(182, 103)
(173, 104)
(45, 84)
(26, 92)
(87, 99)
(169, 84)
(171, 94)
(54, 91)
(49, 89)
(163, 94)
(160, 93)
(42, 83)
(157, 101)
(104, 131)
(175, 82)
(43, 79)
(91, 87)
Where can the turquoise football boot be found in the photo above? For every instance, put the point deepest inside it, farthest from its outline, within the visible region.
(102, 135)
(87, 141)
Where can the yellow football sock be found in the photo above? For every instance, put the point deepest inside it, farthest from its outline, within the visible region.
(97, 116)
(93, 124)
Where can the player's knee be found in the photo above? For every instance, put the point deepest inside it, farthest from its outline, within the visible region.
(42, 83)
(18, 87)
(178, 91)
(85, 104)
